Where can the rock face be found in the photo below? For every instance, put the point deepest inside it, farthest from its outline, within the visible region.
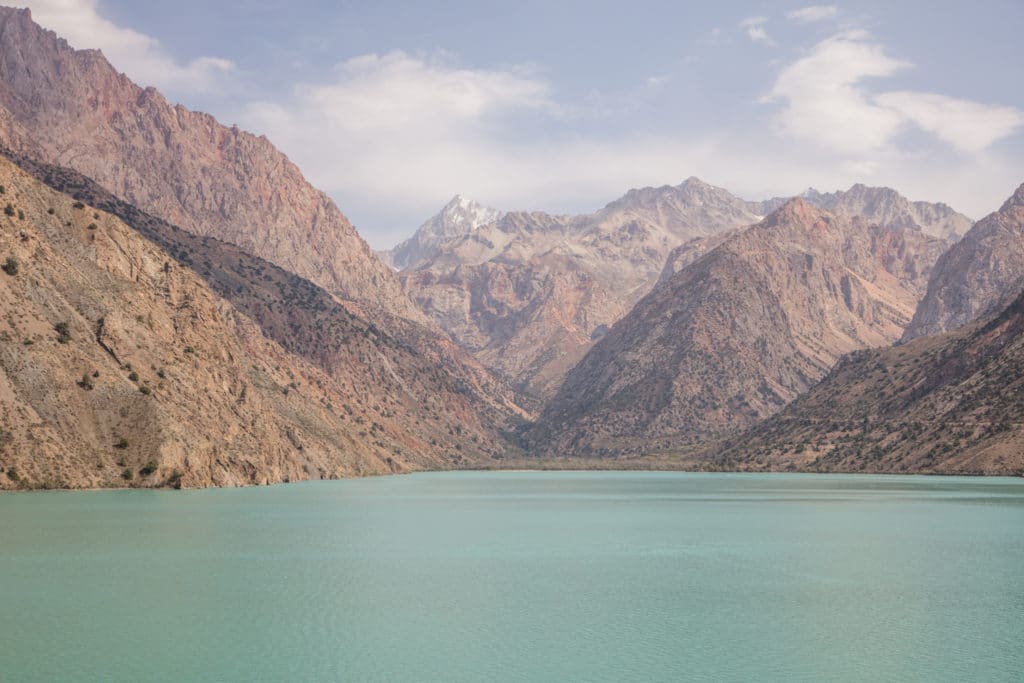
(528, 294)
(215, 367)
(950, 404)
(71, 108)
(459, 217)
(887, 208)
(739, 332)
(978, 275)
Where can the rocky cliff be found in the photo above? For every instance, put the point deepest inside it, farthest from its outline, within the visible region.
(978, 275)
(72, 108)
(739, 332)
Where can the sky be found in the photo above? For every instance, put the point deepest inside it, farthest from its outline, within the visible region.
(394, 107)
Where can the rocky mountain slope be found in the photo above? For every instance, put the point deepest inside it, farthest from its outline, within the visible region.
(950, 404)
(72, 108)
(459, 217)
(146, 355)
(978, 275)
(739, 332)
(529, 293)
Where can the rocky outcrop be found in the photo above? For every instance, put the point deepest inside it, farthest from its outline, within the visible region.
(977, 276)
(949, 404)
(74, 110)
(529, 294)
(738, 333)
(145, 355)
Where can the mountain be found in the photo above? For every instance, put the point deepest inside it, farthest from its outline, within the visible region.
(978, 275)
(888, 208)
(529, 293)
(739, 332)
(214, 366)
(459, 217)
(72, 108)
(949, 404)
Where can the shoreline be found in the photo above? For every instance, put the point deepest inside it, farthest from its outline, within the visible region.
(523, 470)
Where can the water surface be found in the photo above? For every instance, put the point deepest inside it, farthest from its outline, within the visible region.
(611, 576)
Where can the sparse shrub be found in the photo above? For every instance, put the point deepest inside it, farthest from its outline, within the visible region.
(134, 376)
(3, 190)
(92, 226)
(122, 443)
(9, 209)
(189, 349)
(96, 216)
(148, 469)
(21, 215)
(78, 205)
(63, 332)
(11, 265)
(85, 382)
(50, 211)
(95, 373)
(28, 342)
(145, 390)
(161, 374)
(127, 474)
(12, 474)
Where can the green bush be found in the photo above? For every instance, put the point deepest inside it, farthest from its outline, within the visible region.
(145, 390)
(91, 226)
(122, 443)
(127, 474)
(134, 376)
(148, 469)
(63, 332)
(21, 215)
(11, 265)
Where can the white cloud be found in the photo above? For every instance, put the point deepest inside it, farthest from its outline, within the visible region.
(827, 103)
(137, 54)
(968, 126)
(756, 31)
(806, 15)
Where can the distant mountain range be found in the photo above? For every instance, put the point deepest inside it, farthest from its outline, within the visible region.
(180, 307)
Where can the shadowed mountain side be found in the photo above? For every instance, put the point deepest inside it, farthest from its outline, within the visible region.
(430, 402)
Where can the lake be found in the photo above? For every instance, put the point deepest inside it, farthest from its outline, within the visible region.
(519, 576)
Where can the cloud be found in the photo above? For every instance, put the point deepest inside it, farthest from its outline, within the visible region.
(827, 102)
(756, 31)
(968, 126)
(807, 15)
(137, 54)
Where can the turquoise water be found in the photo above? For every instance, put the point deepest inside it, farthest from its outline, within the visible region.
(520, 577)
